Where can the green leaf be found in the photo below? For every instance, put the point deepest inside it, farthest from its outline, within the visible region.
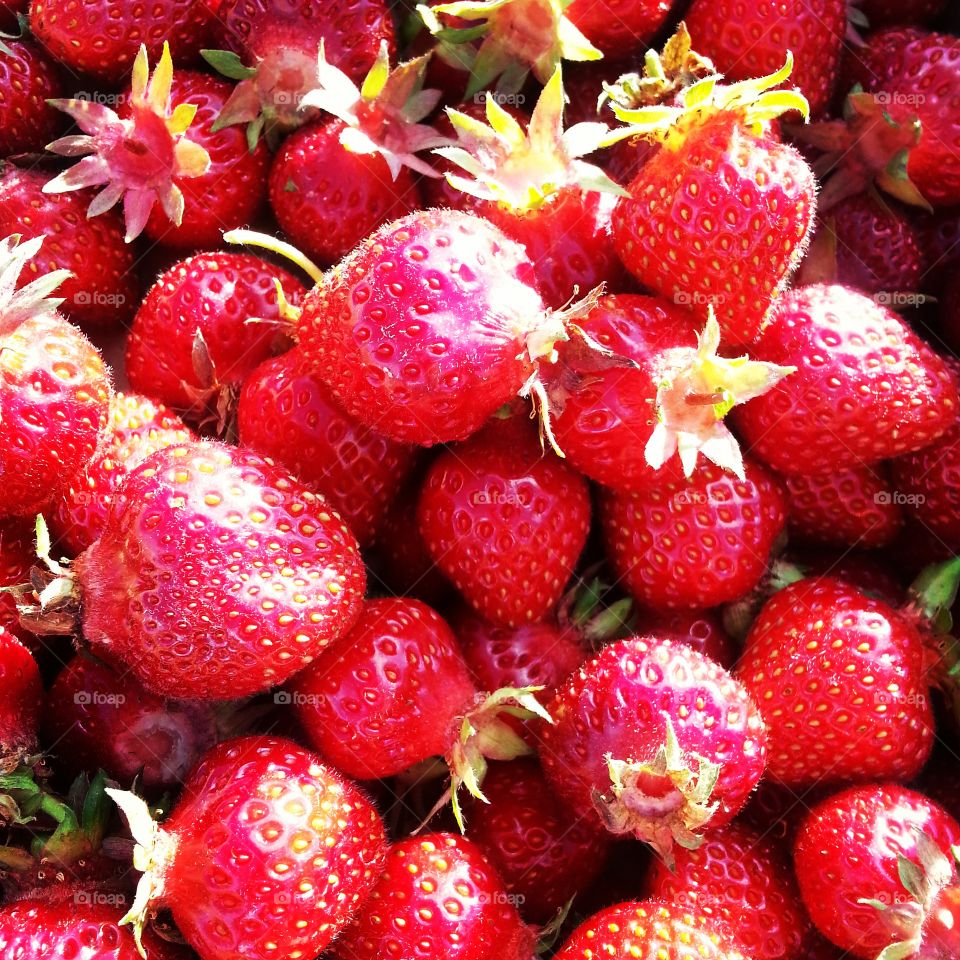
(227, 63)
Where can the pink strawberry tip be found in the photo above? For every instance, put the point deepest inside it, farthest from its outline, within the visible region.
(522, 169)
(697, 389)
(663, 801)
(136, 159)
(33, 299)
(518, 37)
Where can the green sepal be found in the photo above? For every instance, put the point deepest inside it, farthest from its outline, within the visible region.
(227, 63)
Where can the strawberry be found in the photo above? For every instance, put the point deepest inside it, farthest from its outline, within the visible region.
(216, 575)
(897, 881)
(138, 427)
(17, 556)
(28, 79)
(733, 867)
(875, 724)
(720, 215)
(102, 38)
(604, 424)
(266, 854)
(505, 522)
(21, 692)
(694, 543)
(97, 718)
(619, 28)
(545, 853)
(940, 241)
(650, 930)
(191, 345)
(285, 412)
(882, 13)
(702, 630)
(54, 389)
(656, 740)
(746, 40)
(437, 897)
(103, 291)
(534, 185)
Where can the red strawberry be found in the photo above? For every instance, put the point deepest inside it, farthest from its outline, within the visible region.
(103, 290)
(702, 630)
(138, 428)
(843, 685)
(505, 522)
(266, 854)
(863, 858)
(650, 930)
(657, 740)
(54, 390)
(99, 719)
(867, 387)
(17, 555)
(745, 40)
(216, 575)
(21, 691)
(620, 28)
(437, 897)
(694, 543)
(28, 79)
(882, 13)
(545, 853)
(719, 216)
(940, 241)
(285, 412)
(192, 346)
(734, 868)
(102, 38)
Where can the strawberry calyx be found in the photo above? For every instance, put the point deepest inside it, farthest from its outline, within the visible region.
(662, 801)
(135, 159)
(518, 37)
(32, 299)
(521, 169)
(738, 616)
(585, 610)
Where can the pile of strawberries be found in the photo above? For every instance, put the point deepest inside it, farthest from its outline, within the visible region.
(523, 515)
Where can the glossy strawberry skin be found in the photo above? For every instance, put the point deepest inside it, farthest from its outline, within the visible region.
(271, 848)
(138, 428)
(215, 293)
(619, 27)
(702, 630)
(505, 522)
(21, 692)
(616, 704)
(697, 543)
(327, 199)
(866, 388)
(217, 575)
(747, 40)
(416, 330)
(103, 291)
(54, 404)
(97, 718)
(545, 852)
(876, 724)
(18, 554)
(28, 79)
(388, 696)
(286, 412)
(438, 896)
(865, 829)
(697, 239)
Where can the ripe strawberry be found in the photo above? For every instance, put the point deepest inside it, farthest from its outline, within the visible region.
(650, 930)
(28, 79)
(505, 522)
(719, 216)
(97, 718)
(867, 387)
(875, 724)
(102, 38)
(216, 575)
(656, 740)
(54, 389)
(939, 234)
(285, 412)
(694, 543)
(533, 184)
(745, 40)
(438, 896)
(17, 555)
(701, 630)
(620, 28)
(266, 854)
(546, 853)
(191, 345)
(622, 426)
(865, 857)
(103, 291)
(734, 867)
(21, 691)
